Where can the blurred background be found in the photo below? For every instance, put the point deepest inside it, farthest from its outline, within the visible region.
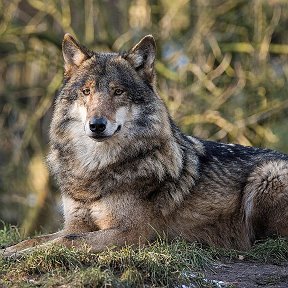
(222, 70)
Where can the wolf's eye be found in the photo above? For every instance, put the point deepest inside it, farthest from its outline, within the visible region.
(118, 91)
(86, 91)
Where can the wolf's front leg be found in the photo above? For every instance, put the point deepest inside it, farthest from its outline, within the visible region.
(29, 243)
(100, 240)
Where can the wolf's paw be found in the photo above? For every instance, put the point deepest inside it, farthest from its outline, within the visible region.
(10, 253)
(17, 250)
(13, 254)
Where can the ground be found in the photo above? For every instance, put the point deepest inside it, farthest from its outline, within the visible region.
(161, 264)
(245, 274)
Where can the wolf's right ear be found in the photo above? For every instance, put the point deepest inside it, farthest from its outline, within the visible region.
(74, 54)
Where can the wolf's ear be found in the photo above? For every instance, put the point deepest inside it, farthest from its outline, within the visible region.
(74, 54)
(142, 57)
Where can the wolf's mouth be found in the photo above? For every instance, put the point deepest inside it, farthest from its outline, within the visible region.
(118, 129)
(102, 137)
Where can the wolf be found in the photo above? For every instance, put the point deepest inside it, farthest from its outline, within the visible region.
(127, 174)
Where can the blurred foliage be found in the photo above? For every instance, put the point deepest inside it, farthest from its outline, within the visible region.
(222, 70)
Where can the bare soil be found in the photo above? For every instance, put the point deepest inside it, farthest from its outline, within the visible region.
(245, 274)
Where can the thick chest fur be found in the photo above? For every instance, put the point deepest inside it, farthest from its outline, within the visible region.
(135, 176)
(88, 174)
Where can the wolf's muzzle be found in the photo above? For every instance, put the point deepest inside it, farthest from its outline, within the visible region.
(101, 129)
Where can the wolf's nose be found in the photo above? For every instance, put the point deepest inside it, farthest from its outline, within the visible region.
(97, 124)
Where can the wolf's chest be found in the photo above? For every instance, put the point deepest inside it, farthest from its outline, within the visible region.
(105, 213)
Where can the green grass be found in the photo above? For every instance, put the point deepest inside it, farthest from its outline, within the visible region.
(272, 250)
(9, 235)
(157, 265)
(268, 251)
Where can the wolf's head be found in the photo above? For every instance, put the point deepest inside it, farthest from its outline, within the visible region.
(110, 94)
(108, 112)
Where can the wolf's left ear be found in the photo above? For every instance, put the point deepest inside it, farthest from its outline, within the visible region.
(142, 57)
(74, 54)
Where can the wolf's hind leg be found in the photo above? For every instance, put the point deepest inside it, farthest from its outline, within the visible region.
(266, 200)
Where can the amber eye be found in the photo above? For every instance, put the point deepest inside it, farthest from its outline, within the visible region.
(86, 91)
(118, 91)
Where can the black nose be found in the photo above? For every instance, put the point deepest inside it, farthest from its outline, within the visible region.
(97, 124)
